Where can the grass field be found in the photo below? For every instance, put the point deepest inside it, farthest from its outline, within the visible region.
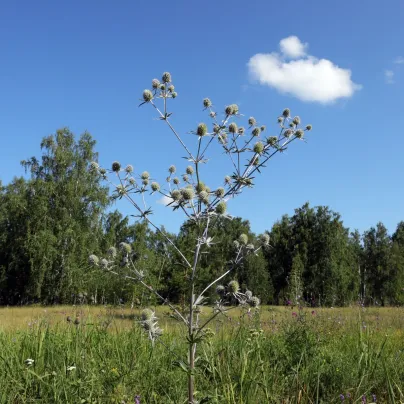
(282, 355)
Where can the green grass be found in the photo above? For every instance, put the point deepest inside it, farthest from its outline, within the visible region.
(278, 357)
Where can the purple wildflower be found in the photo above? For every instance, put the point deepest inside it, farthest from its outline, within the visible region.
(374, 399)
(342, 397)
(137, 399)
(364, 399)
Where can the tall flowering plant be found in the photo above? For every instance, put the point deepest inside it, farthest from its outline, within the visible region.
(248, 151)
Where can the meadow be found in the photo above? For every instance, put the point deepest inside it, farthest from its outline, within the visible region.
(85, 354)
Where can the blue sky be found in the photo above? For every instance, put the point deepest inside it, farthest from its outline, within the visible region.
(85, 64)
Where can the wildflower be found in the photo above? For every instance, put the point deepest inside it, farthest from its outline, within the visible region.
(294, 314)
(29, 362)
(155, 186)
(176, 195)
(309, 127)
(94, 166)
(364, 399)
(145, 175)
(171, 169)
(174, 94)
(171, 88)
(256, 132)
(254, 301)
(70, 368)
(220, 289)
(233, 287)
(258, 147)
(189, 170)
(296, 120)
(233, 127)
(93, 259)
(231, 109)
(264, 238)
(137, 399)
(252, 121)
(176, 181)
(241, 131)
(299, 133)
(374, 399)
(125, 247)
(342, 397)
(187, 193)
(243, 239)
(220, 192)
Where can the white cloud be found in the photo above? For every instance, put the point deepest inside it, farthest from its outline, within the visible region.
(292, 47)
(165, 200)
(306, 78)
(389, 76)
(399, 60)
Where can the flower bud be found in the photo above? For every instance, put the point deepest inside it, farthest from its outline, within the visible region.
(233, 127)
(233, 287)
(236, 244)
(256, 132)
(241, 131)
(202, 130)
(296, 120)
(288, 133)
(220, 192)
(145, 182)
(200, 187)
(185, 178)
(187, 193)
(171, 88)
(286, 113)
(132, 181)
(129, 168)
(272, 140)
(175, 195)
(280, 119)
(252, 121)
(243, 239)
(308, 127)
(207, 103)
(171, 169)
(204, 197)
(155, 84)
(221, 208)
(231, 109)
(174, 94)
(116, 166)
(258, 147)
(145, 175)
(155, 186)
(176, 181)
(227, 179)
(166, 77)
(190, 170)
(147, 95)
(299, 133)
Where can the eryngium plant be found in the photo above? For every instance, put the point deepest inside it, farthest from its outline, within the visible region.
(248, 150)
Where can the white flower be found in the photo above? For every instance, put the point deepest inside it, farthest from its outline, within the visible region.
(70, 368)
(29, 362)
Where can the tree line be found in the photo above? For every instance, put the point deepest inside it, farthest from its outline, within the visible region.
(51, 221)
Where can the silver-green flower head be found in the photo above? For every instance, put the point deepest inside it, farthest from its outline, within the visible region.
(175, 195)
(94, 166)
(241, 130)
(220, 192)
(256, 131)
(104, 263)
(171, 88)
(176, 180)
(309, 127)
(220, 289)
(207, 103)
(236, 244)
(185, 178)
(125, 247)
(231, 109)
(116, 166)
(162, 87)
(204, 197)
(264, 238)
(187, 193)
(147, 95)
(147, 314)
(227, 180)
(190, 170)
(221, 208)
(299, 133)
(200, 187)
(93, 259)
(132, 181)
(174, 94)
(243, 239)
(252, 121)
(296, 120)
(233, 287)
(248, 294)
(288, 133)
(258, 147)
(155, 186)
(145, 175)
(171, 169)
(202, 130)
(145, 182)
(233, 127)
(280, 119)
(103, 171)
(286, 113)
(166, 77)
(254, 301)
(112, 252)
(155, 84)
(272, 140)
(129, 168)
(263, 128)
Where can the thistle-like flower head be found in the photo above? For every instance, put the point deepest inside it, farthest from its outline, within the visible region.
(296, 120)
(155, 84)
(256, 131)
(243, 239)
(145, 175)
(190, 170)
(93, 259)
(207, 103)
(252, 121)
(147, 95)
(116, 166)
(112, 252)
(166, 77)
(286, 113)
(233, 287)
(220, 192)
(171, 169)
(175, 195)
(187, 193)
(202, 129)
(221, 208)
(233, 127)
(258, 147)
(155, 186)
